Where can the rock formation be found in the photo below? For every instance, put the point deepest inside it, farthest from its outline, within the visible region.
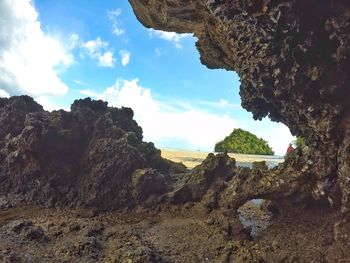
(85, 157)
(293, 58)
(115, 199)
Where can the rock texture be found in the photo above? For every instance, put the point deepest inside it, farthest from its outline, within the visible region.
(178, 234)
(85, 157)
(293, 58)
(93, 158)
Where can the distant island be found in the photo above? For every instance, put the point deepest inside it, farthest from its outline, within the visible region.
(241, 141)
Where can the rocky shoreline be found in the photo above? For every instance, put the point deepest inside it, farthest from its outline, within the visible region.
(82, 186)
(169, 234)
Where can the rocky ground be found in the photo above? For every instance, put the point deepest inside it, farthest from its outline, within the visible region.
(170, 234)
(82, 186)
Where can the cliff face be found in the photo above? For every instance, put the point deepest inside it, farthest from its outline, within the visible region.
(293, 58)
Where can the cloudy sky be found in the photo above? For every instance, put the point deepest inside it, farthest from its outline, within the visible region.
(58, 51)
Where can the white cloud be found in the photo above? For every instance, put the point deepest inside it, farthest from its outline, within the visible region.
(106, 59)
(116, 23)
(78, 82)
(159, 51)
(74, 41)
(4, 94)
(278, 138)
(166, 123)
(94, 47)
(90, 93)
(172, 37)
(118, 31)
(125, 57)
(99, 49)
(222, 103)
(46, 102)
(29, 58)
(163, 123)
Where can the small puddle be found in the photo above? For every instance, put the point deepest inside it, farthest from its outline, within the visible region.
(254, 217)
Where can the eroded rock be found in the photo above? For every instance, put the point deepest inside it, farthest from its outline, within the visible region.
(205, 180)
(293, 59)
(147, 183)
(84, 157)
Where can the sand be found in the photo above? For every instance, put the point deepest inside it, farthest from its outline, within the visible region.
(194, 158)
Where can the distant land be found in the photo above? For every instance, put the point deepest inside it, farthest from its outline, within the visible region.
(193, 158)
(241, 141)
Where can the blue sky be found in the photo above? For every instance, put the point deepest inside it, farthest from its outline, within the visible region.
(58, 51)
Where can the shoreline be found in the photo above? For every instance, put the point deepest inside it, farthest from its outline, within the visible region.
(193, 158)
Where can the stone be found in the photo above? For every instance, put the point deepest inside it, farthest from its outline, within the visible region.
(85, 157)
(293, 60)
(207, 178)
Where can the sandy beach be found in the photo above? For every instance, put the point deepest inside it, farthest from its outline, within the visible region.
(194, 158)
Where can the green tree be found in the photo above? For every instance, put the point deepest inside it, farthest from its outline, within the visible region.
(299, 143)
(241, 141)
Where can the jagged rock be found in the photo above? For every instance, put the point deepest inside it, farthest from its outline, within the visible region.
(260, 166)
(293, 59)
(83, 157)
(205, 180)
(148, 182)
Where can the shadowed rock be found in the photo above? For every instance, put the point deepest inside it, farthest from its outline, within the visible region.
(293, 59)
(84, 157)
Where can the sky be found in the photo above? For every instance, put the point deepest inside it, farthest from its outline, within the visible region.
(59, 51)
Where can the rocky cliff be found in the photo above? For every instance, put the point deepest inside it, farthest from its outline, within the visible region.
(86, 157)
(293, 59)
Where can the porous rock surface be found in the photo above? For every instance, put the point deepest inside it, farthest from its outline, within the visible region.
(86, 157)
(293, 59)
(201, 226)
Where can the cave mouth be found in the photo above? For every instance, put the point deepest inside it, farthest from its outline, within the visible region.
(292, 70)
(292, 58)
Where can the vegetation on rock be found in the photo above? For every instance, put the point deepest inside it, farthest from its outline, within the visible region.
(241, 141)
(299, 143)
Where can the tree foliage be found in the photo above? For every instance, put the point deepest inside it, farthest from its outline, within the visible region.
(299, 143)
(241, 141)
